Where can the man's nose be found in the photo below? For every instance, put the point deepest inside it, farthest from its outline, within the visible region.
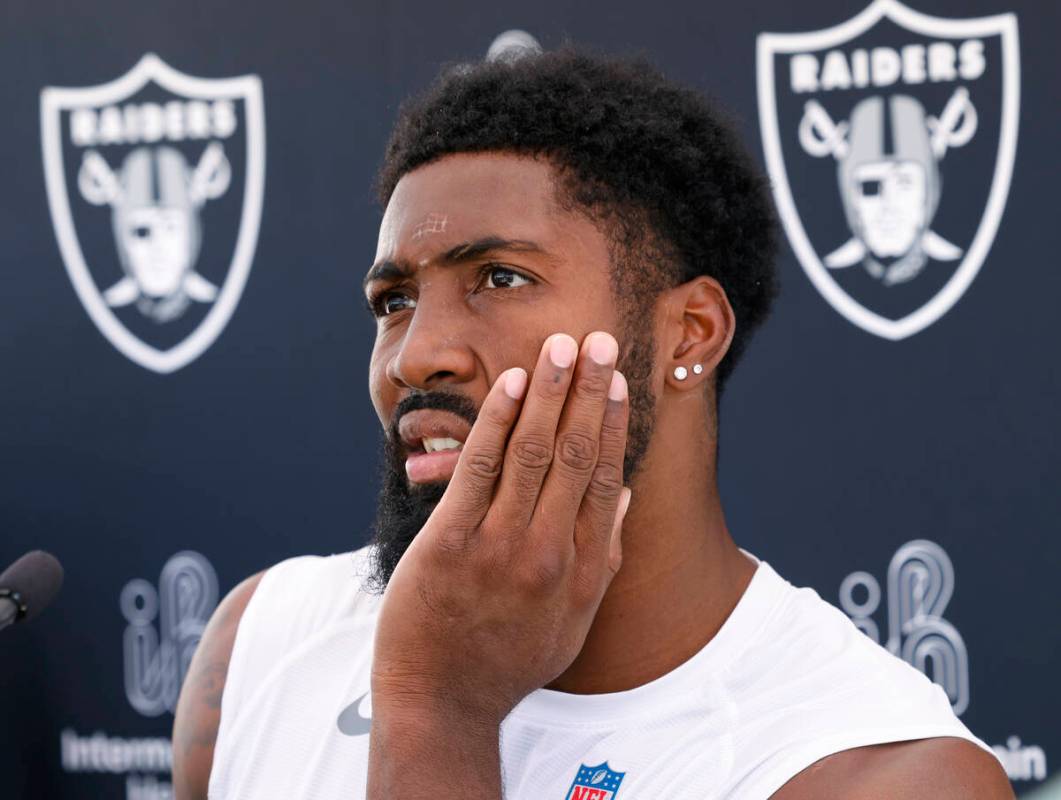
(433, 351)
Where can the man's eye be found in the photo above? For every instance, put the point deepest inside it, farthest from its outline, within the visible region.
(504, 278)
(389, 303)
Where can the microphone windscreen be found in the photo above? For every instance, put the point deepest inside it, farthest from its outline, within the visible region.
(37, 577)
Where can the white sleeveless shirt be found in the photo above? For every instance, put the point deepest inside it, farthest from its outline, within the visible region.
(786, 681)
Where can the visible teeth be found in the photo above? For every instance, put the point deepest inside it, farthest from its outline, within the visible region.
(434, 445)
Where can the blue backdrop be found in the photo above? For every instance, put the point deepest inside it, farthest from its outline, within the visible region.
(887, 440)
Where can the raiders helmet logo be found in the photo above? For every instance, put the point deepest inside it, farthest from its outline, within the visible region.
(889, 161)
(155, 183)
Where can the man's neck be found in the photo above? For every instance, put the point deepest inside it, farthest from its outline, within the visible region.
(681, 577)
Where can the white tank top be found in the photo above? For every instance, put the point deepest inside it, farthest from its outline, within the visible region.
(787, 680)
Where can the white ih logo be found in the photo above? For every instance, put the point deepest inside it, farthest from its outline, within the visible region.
(920, 585)
(885, 107)
(159, 235)
(156, 660)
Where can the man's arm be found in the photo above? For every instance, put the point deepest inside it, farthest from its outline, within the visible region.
(945, 768)
(199, 708)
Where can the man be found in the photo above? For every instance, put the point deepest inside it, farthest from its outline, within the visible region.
(573, 255)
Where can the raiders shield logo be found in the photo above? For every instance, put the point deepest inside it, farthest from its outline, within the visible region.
(155, 184)
(889, 140)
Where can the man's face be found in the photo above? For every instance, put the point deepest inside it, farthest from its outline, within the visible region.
(475, 267)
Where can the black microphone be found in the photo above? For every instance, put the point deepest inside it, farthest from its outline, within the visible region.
(28, 586)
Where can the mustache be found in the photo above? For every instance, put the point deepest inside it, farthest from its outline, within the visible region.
(454, 402)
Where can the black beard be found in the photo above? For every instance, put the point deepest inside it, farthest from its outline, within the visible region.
(404, 508)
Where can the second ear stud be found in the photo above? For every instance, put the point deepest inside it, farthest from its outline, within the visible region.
(697, 369)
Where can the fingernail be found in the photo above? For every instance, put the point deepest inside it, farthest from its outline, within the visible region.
(603, 349)
(624, 501)
(515, 382)
(617, 389)
(562, 350)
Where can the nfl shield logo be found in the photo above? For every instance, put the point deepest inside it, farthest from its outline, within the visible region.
(595, 783)
(155, 183)
(890, 141)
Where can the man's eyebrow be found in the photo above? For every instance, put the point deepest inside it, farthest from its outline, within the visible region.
(465, 251)
(468, 251)
(386, 271)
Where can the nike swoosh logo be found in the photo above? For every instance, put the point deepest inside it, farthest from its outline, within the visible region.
(351, 722)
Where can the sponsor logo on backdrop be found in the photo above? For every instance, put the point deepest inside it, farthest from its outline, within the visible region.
(155, 183)
(164, 625)
(920, 584)
(889, 140)
(156, 658)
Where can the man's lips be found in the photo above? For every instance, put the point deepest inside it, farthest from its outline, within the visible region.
(427, 423)
(431, 467)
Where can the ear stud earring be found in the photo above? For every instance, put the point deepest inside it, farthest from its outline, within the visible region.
(697, 369)
(681, 373)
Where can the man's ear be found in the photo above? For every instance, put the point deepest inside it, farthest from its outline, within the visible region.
(698, 330)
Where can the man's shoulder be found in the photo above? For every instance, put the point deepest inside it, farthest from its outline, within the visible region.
(304, 594)
(337, 571)
(803, 639)
(806, 641)
(291, 584)
(941, 768)
(813, 689)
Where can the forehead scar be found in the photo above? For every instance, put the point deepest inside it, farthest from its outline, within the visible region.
(435, 223)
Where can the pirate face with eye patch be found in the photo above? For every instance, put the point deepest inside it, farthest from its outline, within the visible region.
(155, 199)
(888, 157)
(157, 244)
(889, 200)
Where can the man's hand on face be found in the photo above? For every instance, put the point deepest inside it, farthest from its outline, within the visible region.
(495, 596)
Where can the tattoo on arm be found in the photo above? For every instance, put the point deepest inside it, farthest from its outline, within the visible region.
(199, 708)
(206, 685)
